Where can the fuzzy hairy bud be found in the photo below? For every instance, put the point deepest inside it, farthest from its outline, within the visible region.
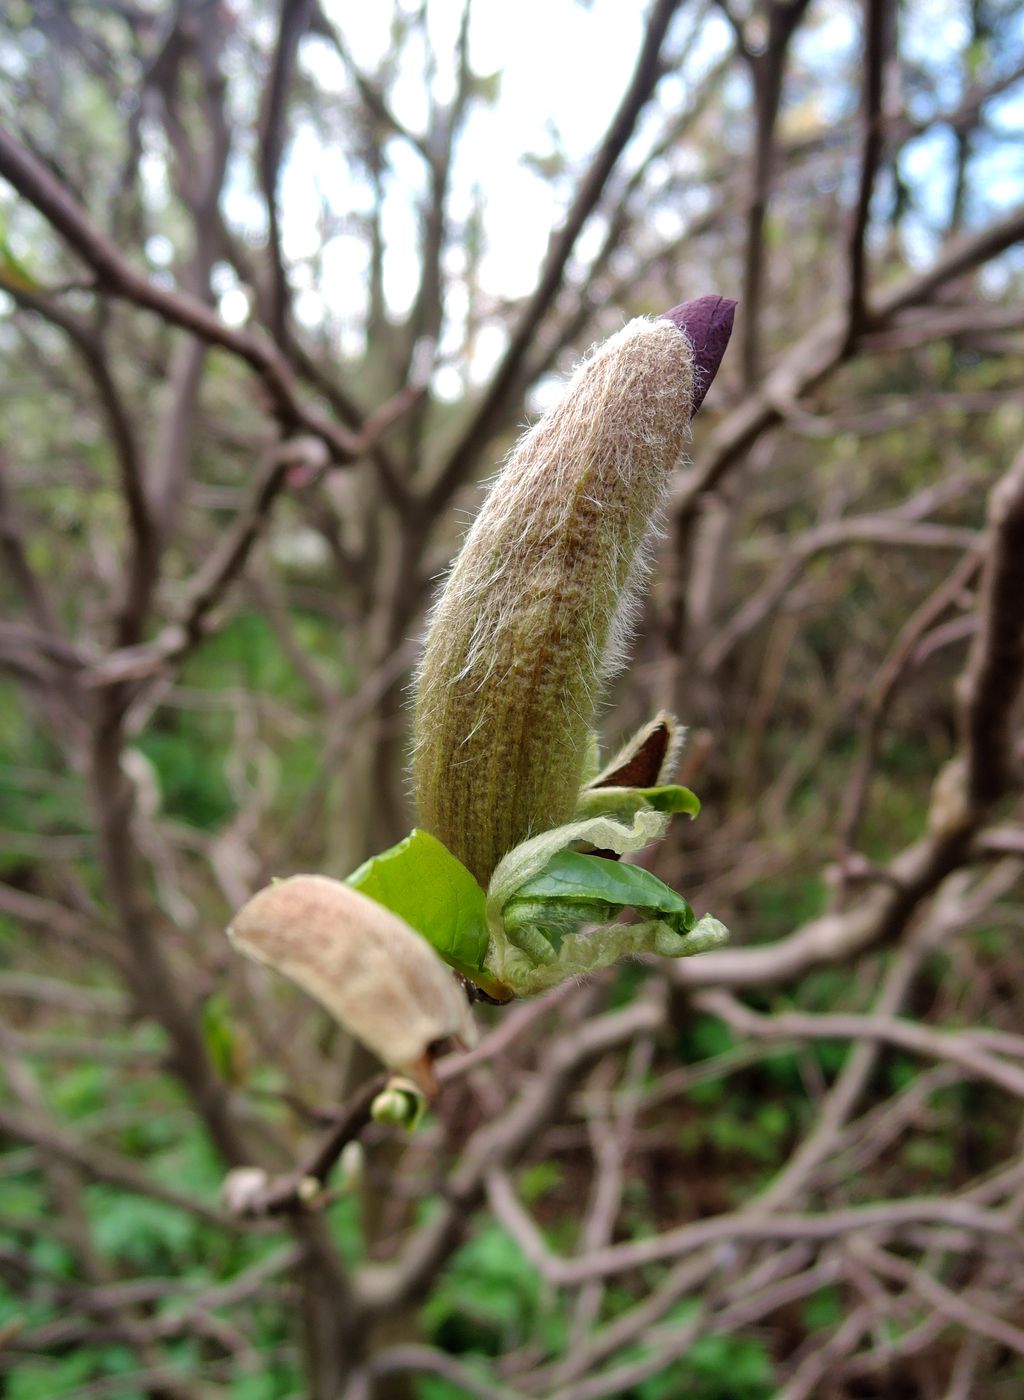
(377, 976)
(538, 605)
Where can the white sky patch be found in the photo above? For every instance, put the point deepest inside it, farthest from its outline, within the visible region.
(234, 306)
(299, 196)
(562, 67)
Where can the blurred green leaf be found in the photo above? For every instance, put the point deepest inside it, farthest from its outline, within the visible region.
(147, 1234)
(220, 1037)
(823, 1309)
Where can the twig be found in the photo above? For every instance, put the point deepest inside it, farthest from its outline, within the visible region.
(116, 275)
(284, 1194)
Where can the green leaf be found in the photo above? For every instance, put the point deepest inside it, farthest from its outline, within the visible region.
(423, 883)
(576, 886)
(540, 897)
(531, 857)
(622, 802)
(671, 798)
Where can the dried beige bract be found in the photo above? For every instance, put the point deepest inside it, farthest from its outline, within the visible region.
(378, 977)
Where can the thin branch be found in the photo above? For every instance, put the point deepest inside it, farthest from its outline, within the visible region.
(503, 1140)
(877, 16)
(886, 1217)
(898, 663)
(824, 348)
(116, 275)
(958, 1048)
(995, 668)
(294, 20)
(99, 1165)
(286, 1194)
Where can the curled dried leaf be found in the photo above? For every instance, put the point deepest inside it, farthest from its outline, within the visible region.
(372, 972)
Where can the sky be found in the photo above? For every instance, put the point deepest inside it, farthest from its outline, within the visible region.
(563, 67)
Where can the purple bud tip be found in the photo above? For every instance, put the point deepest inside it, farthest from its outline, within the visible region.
(707, 323)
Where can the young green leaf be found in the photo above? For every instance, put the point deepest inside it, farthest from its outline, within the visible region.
(542, 894)
(572, 885)
(423, 883)
(531, 857)
(622, 802)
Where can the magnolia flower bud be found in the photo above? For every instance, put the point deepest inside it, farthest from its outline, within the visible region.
(377, 976)
(539, 602)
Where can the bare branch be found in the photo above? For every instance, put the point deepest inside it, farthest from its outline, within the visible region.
(995, 669)
(877, 20)
(32, 180)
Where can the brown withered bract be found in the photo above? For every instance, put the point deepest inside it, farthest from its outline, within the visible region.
(648, 758)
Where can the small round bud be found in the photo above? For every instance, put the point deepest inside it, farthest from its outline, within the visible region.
(400, 1104)
(242, 1187)
(308, 1189)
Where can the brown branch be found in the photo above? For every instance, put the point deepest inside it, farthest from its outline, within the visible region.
(947, 1303)
(964, 115)
(117, 276)
(887, 1217)
(99, 1165)
(17, 564)
(425, 1360)
(295, 16)
(812, 359)
(199, 177)
(285, 1194)
(427, 315)
(877, 18)
(995, 668)
(958, 1048)
(502, 1141)
(961, 795)
(898, 663)
(373, 99)
(59, 921)
(625, 211)
(767, 67)
(49, 991)
(141, 567)
(213, 579)
(888, 530)
(823, 349)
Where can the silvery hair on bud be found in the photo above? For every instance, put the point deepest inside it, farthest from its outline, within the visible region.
(540, 602)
